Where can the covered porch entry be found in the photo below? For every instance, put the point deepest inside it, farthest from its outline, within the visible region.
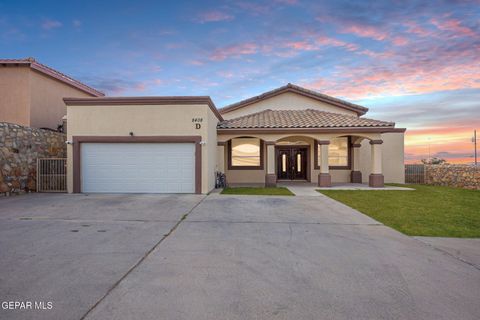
(322, 159)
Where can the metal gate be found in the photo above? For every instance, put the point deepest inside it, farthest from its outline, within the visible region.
(52, 175)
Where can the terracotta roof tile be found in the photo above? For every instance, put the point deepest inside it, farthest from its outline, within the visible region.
(307, 118)
(32, 63)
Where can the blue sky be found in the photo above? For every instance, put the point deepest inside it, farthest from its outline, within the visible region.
(414, 62)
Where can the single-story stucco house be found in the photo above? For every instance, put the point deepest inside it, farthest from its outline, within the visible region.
(177, 144)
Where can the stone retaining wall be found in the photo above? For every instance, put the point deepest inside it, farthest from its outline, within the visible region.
(453, 175)
(19, 149)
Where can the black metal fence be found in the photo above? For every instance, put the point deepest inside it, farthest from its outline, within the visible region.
(414, 173)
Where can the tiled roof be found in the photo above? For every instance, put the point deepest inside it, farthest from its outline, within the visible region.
(32, 63)
(307, 118)
(360, 110)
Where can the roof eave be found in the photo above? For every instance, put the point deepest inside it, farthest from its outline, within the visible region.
(162, 100)
(311, 130)
(84, 88)
(54, 74)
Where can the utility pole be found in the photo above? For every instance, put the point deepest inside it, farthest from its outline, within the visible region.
(429, 159)
(474, 140)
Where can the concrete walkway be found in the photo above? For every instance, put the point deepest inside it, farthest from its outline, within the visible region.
(302, 189)
(309, 189)
(361, 186)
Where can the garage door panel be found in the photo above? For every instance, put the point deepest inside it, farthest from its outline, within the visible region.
(138, 167)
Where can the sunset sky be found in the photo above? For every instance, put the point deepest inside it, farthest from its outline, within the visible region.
(413, 62)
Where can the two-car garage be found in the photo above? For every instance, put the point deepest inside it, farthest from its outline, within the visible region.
(138, 167)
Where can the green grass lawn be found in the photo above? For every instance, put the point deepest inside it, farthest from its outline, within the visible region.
(279, 191)
(426, 211)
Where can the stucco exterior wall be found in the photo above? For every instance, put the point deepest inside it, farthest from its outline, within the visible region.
(30, 98)
(145, 120)
(286, 101)
(392, 158)
(211, 148)
(47, 107)
(15, 95)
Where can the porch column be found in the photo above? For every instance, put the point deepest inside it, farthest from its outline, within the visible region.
(356, 174)
(324, 178)
(270, 176)
(375, 180)
(221, 157)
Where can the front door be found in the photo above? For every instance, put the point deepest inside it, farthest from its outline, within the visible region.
(291, 163)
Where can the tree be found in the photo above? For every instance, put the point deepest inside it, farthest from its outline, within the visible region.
(434, 160)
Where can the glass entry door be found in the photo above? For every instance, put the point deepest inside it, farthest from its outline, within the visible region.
(291, 163)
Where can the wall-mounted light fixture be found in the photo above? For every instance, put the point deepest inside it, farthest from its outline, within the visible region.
(68, 142)
(202, 143)
(131, 134)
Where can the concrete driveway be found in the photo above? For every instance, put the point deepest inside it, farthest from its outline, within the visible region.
(233, 257)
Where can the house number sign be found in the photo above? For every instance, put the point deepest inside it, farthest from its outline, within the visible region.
(197, 122)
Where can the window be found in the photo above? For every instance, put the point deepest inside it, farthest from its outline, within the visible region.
(338, 153)
(245, 153)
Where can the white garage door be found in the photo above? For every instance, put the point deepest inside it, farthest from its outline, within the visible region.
(138, 167)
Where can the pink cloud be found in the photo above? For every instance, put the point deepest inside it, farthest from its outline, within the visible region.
(400, 41)
(454, 26)
(316, 44)
(377, 55)
(375, 34)
(196, 62)
(414, 28)
(141, 86)
(301, 45)
(366, 32)
(365, 82)
(214, 16)
(237, 50)
(326, 41)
